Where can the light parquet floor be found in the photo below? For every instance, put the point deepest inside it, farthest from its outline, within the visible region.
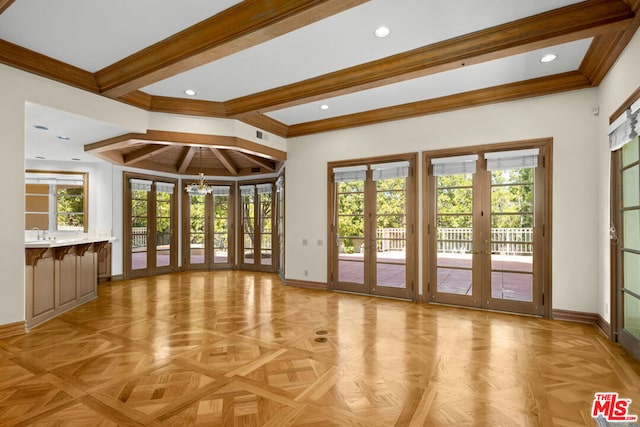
(241, 349)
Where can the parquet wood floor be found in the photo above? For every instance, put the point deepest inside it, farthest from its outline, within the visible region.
(241, 349)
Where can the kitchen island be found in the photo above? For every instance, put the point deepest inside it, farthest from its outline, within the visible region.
(61, 274)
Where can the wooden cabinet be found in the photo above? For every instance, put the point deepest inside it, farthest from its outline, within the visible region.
(104, 262)
(61, 278)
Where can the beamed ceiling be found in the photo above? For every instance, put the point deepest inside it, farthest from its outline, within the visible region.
(272, 64)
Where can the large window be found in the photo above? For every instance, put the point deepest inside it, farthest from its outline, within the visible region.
(56, 201)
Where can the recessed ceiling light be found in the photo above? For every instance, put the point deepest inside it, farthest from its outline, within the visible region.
(382, 32)
(324, 107)
(40, 157)
(548, 58)
(40, 127)
(190, 92)
(64, 138)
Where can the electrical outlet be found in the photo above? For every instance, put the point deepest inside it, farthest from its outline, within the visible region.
(306, 273)
(305, 242)
(319, 243)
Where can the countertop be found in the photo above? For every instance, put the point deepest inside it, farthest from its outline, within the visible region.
(66, 241)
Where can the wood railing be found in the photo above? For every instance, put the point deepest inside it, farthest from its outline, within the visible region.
(504, 241)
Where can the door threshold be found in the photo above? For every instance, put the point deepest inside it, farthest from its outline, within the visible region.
(373, 295)
(491, 310)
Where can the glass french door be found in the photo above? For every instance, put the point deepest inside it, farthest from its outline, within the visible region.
(208, 229)
(486, 230)
(151, 221)
(257, 216)
(626, 303)
(372, 239)
(281, 219)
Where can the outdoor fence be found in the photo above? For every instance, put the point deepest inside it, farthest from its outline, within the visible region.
(139, 237)
(505, 241)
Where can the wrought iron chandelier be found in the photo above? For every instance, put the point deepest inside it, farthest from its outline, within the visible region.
(201, 188)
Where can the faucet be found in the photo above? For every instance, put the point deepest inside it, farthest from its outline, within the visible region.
(37, 232)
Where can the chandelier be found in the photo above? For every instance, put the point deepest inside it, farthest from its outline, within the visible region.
(200, 188)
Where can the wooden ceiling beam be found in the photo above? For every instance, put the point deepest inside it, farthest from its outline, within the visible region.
(115, 143)
(144, 153)
(510, 92)
(44, 66)
(246, 24)
(570, 23)
(191, 107)
(185, 159)
(226, 161)
(4, 5)
(267, 164)
(606, 48)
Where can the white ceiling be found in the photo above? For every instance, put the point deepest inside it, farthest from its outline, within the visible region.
(92, 35)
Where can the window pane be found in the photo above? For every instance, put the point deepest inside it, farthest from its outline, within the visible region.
(630, 152)
(632, 272)
(512, 286)
(69, 208)
(630, 184)
(196, 229)
(163, 229)
(454, 281)
(632, 315)
(631, 227)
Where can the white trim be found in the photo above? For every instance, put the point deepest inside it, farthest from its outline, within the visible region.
(165, 187)
(350, 173)
(454, 165)
(513, 159)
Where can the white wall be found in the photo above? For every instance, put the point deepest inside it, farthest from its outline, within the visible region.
(17, 88)
(567, 118)
(621, 81)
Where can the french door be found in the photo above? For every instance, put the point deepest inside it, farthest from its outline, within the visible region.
(626, 249)
(372, 230)
(257, 219)
(487, 245)
(150, 226)
(207, 229)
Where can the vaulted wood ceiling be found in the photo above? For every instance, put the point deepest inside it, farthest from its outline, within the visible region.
(610, 23)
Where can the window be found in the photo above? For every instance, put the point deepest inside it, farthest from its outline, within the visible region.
(56, 201)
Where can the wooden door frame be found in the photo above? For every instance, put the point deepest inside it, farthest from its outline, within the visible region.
(275, 243)
(615, 196)
(411, 212)
(427, 217)
(209, 212)
(128, 271)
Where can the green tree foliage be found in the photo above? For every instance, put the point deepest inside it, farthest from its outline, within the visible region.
(390, 209)
(511, 199)
(455, 201)
(70, 207)
(512, 193)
